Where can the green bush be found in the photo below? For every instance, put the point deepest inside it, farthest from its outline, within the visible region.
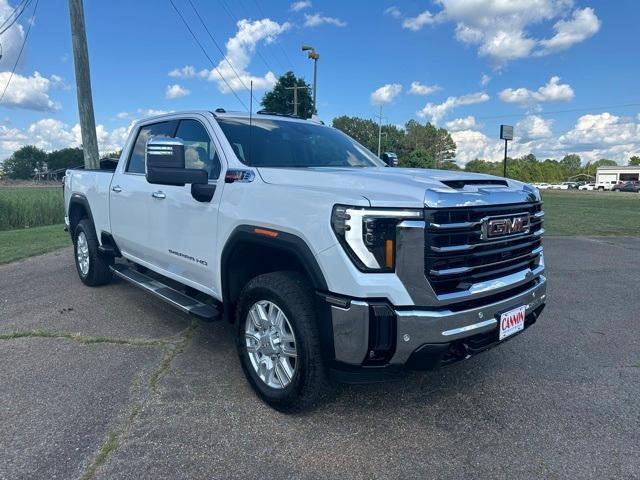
(30, 207)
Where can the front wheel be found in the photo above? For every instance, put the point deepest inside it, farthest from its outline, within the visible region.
(279, 343)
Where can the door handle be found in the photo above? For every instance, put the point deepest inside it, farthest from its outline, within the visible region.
(116, 188)
(159, 194)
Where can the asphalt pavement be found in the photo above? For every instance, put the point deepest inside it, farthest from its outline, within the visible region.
(110, 383)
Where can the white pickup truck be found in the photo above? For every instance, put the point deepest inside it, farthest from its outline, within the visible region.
(331, 264)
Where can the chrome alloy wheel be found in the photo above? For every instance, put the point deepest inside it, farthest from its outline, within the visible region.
(82, 253)
(271, 344)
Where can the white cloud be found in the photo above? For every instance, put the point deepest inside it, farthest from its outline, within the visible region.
(52, 134)
(416, 23)
(393, 11)
(419, 89)
(176, 91)
(386, 94)
(437, 111)
(317, 19)
(594, 136)
(31, 93)
(533, 127)
(500, 29)
(552, 91)
(151, 112)
(604, 129)
(472, 144)
(583, 24)
(484, 80)
(240, 49)
(301, 5)
(11, 39)
(466, 123)
(141, 113)
(188, 71)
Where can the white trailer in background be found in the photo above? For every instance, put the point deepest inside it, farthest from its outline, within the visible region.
(607, 177)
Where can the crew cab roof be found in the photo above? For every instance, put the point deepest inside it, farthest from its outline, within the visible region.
(221, 113)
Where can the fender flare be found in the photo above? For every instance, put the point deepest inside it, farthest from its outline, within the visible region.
(79, 199)
(284, 241)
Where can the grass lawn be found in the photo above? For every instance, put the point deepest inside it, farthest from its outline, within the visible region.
(572, 212)
(17, 244)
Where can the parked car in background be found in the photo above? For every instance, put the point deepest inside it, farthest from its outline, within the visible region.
(606, 185)
(542, 186)
(587, 186)
(569, 185)
(633, 186)
(618, 186)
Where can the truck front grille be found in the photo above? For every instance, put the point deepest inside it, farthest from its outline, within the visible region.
(457, 256)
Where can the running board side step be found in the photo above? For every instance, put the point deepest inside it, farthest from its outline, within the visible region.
(190, 305)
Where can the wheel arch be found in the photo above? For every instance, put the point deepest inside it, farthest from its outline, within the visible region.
(78, 209)
(248, 254)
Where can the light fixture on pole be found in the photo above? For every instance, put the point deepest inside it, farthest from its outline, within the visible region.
(313, 55)
(506, 134)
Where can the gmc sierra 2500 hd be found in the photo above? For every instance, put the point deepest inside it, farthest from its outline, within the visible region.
(331, 264)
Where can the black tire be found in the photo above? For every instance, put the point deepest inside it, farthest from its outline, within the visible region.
(98, 272)
(292, 294)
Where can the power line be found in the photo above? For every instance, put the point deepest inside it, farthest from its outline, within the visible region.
(573, 110)
(218, 46)
(229, 12)
(279, 45)
(207, 55)
(22, 6)
(24, 42)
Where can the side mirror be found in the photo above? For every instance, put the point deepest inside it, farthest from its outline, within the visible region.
(390, 159)
(164, 162)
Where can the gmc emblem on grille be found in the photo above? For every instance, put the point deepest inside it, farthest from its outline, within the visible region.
(493, 227)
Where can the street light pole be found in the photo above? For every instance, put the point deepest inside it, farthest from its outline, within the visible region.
(314, 56)
(379, 130)
(504, 164)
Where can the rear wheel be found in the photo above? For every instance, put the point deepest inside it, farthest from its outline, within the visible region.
(92, 266)
(278, 341)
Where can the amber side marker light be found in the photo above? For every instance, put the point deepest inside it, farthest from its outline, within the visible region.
(265, 232)
(388, 254)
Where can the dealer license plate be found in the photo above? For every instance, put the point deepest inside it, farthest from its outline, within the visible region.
(512, 322)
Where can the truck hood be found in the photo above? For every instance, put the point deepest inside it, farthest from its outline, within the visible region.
(406, 187)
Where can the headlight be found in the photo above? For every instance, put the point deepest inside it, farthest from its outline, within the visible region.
(368, 235)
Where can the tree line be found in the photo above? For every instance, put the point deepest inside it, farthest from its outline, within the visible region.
(426, 146)
(30, 160)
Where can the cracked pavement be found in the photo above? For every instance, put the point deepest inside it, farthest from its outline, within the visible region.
(111, 383)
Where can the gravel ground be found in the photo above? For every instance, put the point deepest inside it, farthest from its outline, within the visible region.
(110, 383)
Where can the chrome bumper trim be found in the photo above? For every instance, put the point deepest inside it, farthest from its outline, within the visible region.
(468, 328)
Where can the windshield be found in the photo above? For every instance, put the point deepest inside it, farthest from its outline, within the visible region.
(281, 143)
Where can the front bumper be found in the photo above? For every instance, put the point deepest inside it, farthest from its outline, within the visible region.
(424, 338)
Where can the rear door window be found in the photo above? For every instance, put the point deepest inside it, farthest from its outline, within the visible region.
(161, 129)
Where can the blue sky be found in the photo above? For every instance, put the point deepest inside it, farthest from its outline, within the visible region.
(542, 65)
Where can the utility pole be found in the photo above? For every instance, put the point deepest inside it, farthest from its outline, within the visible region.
(379, 117)
(295, 89)
(83, 86)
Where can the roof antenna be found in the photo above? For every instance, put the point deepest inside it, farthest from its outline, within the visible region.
(250, 119)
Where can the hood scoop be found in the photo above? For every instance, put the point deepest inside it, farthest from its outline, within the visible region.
(460, 184)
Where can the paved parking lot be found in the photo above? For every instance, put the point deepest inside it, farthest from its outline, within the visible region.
(109, 383)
